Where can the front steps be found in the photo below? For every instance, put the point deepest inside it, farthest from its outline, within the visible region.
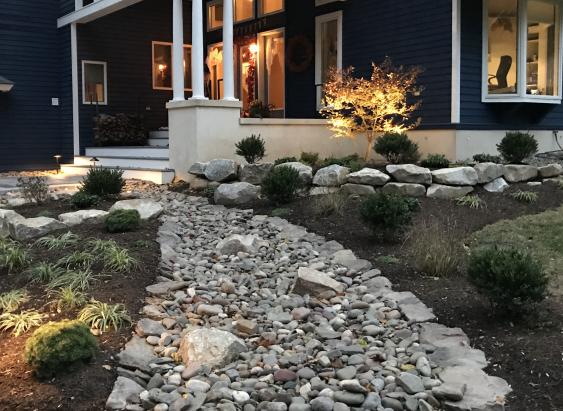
(150, 163)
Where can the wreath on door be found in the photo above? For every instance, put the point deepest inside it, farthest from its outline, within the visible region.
(300, 53)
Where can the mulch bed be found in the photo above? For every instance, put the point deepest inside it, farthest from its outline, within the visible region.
(87, 387)
(526, 352)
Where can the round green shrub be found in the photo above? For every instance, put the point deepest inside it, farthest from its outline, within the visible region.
(309, 158)
(252, 148)
(103, 182)
(284, 160)
(516, 146)
(55, 346)
(353, 162)
(83, 200)
(397, 148)
(508, 277)
(435, 161)
(487, 158)
(122, 221)
(281, 185)
(386, 214)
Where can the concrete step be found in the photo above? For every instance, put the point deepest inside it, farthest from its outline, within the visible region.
(158, 142)
(157, 176)
(156, 163)
(142, 151)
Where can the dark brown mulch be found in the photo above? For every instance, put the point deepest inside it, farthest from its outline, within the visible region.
(87, 387)
(525, 352)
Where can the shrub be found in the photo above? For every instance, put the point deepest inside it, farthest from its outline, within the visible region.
(387, 213)
(103, 182)
(20, 323)
(101, 316)
(77, 259)
(311, 159)
(284, 160)
(34, 189)
(397, 148)
(258, 109)
(353, 162)
(82, 200)
(80, 280)
(12, 300)
(508, 277)
(67, 298)
(119, 260)
(13, 257)
(471, 201)
(123, 221)
(58, 242)
(119, 130)
(487, 158)
(525, 196)
(44, 272)
(281, 185)
(252, 148)
(515, 147)
(56, 346)
(98, 246)
(435, 161)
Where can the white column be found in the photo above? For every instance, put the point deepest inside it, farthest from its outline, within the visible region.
(178, 50)
(198, 92)
(228, 59)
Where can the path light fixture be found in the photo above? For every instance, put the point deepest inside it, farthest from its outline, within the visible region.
(93, 161)
(57, 158)
(6, 85)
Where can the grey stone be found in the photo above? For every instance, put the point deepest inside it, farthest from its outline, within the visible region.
(349, 398)
(352, 386)
(357, 189)
(147, 208)
(449, 392)
(125, 391)
(550, 170)
(236, 193)
(346, 373)
(198, 169)
(368, 176)
(247, 326)
(83, 216)
(239, 243)
(331, 176)
(255, 173)
(166, 287)
(443, 192)
(487, 172)
(146, 327)
(323, 191)
(198, 184)
(456, 176)
(305, 171)
(314, 282)
(405, 189)
(514, 173)
(498, 185)
(221, 170)
(413, 309)
(6, 217)
(372, 402)
(410, 173)
(137, 354)
(211, 347)
(30, 228)
(392, 403)
(410, 383)
(322, 404)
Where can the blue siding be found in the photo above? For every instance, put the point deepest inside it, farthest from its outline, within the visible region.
(493, 116)
(66, 7)
(30, 56)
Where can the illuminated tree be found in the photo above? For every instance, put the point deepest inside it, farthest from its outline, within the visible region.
(385, 102)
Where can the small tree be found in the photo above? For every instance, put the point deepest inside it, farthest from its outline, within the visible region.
(383, 103)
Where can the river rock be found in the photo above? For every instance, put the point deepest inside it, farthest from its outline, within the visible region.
(239, 243)
(211, 347)
(124, 393)
(315, 283)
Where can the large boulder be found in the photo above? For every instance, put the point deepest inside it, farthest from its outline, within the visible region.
(357, 189)
(487, 172)
(410, 173)
(210, 347)
(254, 173)
(368, 176)
(236, 193)
(515, 173)
(7, 217)
(30, 228)
(239, 243)
(447, 192)
(331, 176)
(323, 191)
(147, 208)
(125, 392)
(551, 170)
(498, 185)
(305, 171)
(221, 170)
(405, 189)
(83, 216)
(457, 176)
(198, 169)
(315, 283)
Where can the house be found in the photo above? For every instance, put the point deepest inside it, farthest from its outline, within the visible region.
(191, 67)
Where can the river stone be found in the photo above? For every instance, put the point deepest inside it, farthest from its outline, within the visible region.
(6, 217)
(137, 354)
(198, 169)
(368, 176)
(83, 216)
(221, 170)
(147, 208)
(411, 383)
(239, 243)
(457, 176)
(447, 192)
(125, 392)
(551, 170)
(315, 283)
(357, 189)
(146, 327)
(254, 173)
(30, 228)
(199, 184)
(211, 347)
(165, 287)
(331, 176)
(305, 171)
(515, 173)
(405, 189)
(498, 185)
(236, 193)
(487, 172)
(410, 173)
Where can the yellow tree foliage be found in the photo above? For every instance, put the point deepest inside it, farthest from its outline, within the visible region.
(385, 102)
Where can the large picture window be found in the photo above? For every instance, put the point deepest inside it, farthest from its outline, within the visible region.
(162, 66)
(94, 82)
(521, 56)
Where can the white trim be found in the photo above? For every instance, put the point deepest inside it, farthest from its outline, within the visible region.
(319, 20)
(166, 43)
(522, 43)
(94, 11)
(105, 66)
(75, 92)
(456, 61)
(283, 121)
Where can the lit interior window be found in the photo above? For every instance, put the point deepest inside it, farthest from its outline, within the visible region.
(271, 6)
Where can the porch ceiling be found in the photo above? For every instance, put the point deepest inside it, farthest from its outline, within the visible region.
(94, 11)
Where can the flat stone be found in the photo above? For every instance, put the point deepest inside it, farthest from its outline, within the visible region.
(221, 170)
(331, 176)
(410, 383)
(368, 176)
(166, 287)
(323, 191)
(305, 171)
(457, 176)
(357, 189)
(146, 327)
(125, 392)
(498, 185)
(236, 194)
(137, 354)
(551, 170)
(147, 208)
(314, 283)
(6, 217)
(410, 173)
(344, 257)
(405, 189)
(284, 375)
(209, 310)
(349, 398)
(211, 347)
(83, 217)
(30, 228)
(352, 386)
(514, 173)
(487, 172)
(449, 392)
(255, 173)
(247, 326)
(199, 184)
(412, 308)
(239, 243)
(443, 192)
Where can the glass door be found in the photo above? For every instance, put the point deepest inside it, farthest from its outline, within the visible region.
(214, 78)
(271, 71)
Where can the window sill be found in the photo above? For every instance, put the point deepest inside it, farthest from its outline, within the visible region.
(518, 99)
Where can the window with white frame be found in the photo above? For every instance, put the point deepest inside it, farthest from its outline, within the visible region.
(162, 66)
(94, 82)
(521, 53)
(266, 7)
(328, 49)
(243, 10)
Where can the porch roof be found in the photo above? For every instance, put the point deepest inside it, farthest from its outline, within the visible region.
(94, 10)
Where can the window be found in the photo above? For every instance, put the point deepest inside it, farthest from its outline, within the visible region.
(521, 53)
(270, 6)
(94, 82)
(214, 15)
(243, 10)
(271, 70)
(162, 66)
(328, 49)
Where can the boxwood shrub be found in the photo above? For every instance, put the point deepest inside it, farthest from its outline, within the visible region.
(397, 148)
(516, 146)
(282, 184)
(82, 200)
(435, 161)
(387, 214)
(122, 221)
(103, 182)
